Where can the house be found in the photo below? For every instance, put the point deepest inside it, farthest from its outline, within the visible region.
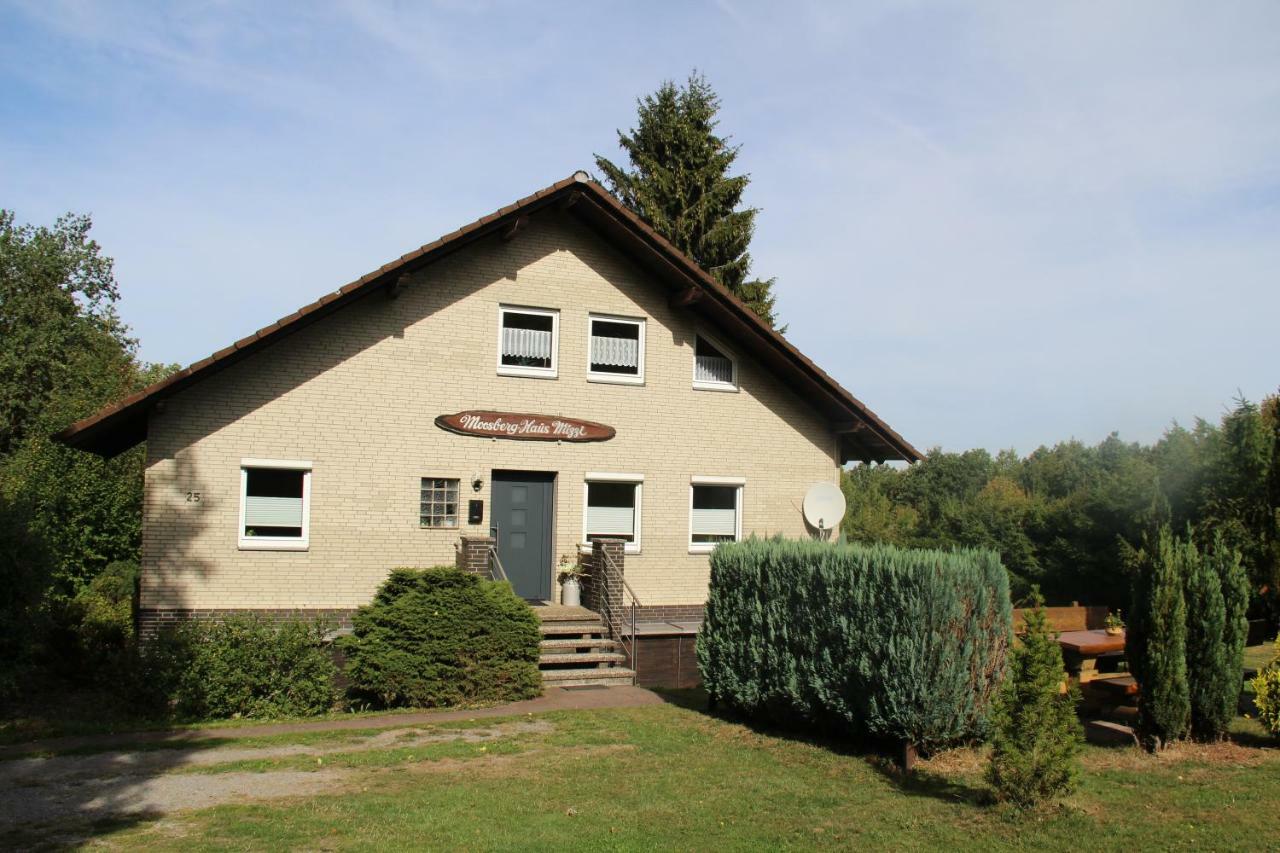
(554, 378)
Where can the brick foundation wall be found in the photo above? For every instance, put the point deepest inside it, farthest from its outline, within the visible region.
(668, 661)
(671, 613)
(151, 620)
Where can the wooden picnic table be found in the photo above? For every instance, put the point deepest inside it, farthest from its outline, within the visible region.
(1081, 650)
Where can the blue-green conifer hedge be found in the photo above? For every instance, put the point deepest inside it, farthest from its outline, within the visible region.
(866, 640)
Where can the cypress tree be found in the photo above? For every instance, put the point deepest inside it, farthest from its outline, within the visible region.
(1156, 643)
(679, 183)
(1235, 596)
(1208, 682)
(1037, 734)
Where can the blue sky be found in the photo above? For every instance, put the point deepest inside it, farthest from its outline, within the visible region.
(998, 224)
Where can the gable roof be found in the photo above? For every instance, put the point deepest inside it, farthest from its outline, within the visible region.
(863, 436)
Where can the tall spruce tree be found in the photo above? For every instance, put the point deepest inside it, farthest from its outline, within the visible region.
(1156, 642)
(1207, 681)
(1036, 734)
(679, 183)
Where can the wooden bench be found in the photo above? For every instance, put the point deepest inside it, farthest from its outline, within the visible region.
(1116, 686)
(1073, 618)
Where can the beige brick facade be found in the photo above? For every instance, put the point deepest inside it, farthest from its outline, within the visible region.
(356, 395)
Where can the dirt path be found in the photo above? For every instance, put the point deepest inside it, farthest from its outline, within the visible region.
(71, 789)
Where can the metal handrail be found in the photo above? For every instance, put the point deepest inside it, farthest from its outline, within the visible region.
(496, 570)
(613, 620)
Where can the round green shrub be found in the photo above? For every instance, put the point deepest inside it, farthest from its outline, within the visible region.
(440, 637)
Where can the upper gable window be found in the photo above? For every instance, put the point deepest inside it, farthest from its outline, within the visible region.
(528, 340)
(617, 350)
(714, 368)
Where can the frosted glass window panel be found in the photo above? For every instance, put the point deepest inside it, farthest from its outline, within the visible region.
(438, 503)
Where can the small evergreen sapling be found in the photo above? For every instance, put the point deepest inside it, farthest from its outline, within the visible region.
(1037, 735)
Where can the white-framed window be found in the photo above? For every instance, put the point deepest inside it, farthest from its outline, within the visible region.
(438, 502)
(715, 367)
(275, 505)
(528, 341)
(611, 505)
(616, 352)
(715, 512)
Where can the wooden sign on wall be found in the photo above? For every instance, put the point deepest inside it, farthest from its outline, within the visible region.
(522, 427)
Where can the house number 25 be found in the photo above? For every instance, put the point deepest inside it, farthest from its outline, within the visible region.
(193, 497)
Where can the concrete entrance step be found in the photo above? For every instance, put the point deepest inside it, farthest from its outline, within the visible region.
(580, 643)
(563, 613)
(578, 658)
(594, 675)
(548, 628)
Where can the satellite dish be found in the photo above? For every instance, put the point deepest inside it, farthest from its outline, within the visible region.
(824, 506)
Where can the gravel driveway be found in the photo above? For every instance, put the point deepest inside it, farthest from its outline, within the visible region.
(62, 792)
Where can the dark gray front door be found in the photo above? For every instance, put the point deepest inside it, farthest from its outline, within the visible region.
(522, 502)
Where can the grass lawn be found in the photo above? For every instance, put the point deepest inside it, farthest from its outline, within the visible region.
(675, 777)
(1259, 656)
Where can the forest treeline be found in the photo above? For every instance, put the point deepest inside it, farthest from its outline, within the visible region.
(1065, 517)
